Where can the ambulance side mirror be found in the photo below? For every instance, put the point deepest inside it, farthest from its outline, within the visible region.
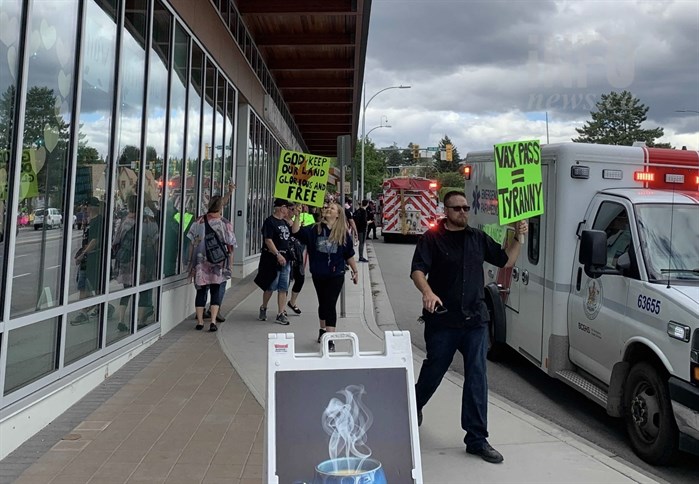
(593, 252)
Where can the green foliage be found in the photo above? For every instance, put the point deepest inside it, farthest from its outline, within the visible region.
(444, 190)
(444, 165)
(450, 179)
(374, 165)
(617, 121)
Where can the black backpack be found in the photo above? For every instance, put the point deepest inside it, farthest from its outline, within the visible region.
(216, 251)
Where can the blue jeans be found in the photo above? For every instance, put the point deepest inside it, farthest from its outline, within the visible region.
(442, 343)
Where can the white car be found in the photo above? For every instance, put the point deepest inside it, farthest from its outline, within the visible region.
(49, 216)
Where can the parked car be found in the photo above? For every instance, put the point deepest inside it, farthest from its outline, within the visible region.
(50, 216)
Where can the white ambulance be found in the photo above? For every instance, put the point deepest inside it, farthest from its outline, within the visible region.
(605, 293)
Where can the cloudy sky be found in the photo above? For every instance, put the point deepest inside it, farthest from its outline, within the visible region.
(484, 72)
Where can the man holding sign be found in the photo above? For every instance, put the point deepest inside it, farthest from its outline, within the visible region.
(455, 314)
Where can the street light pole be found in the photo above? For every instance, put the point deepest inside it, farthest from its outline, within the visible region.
(364, 106)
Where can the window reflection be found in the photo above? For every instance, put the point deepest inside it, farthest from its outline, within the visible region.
(132, 66)
(31, 353)
(120, 320)
(147, 308)
(38, 260)
(193, 140)
(155, 139)
(229, 165)
(82, 334)
(207, 132)
(88, 235)
(175, 223)
(219, 148)
(9, 60)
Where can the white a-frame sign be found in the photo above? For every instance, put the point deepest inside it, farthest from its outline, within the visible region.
(343, 417)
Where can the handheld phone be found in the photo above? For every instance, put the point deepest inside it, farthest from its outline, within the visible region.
(439, 309)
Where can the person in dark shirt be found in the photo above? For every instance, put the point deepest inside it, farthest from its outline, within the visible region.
(455, 314)
(88, 258)
(360, 221)
(371, 220)
(273, 273)
(330, 249)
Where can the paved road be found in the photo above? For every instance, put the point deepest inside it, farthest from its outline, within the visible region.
(515, 379)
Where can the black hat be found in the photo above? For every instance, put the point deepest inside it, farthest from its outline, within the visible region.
(280, 202)
(93, 202)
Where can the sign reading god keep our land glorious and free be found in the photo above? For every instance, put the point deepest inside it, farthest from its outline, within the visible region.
(520, 190)
(302, 178)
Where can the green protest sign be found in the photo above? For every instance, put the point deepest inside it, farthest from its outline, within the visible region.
(302, 178)
(496, 232)
(29, 185)
(518, 171)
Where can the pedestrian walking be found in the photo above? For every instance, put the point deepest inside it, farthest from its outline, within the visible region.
(273, 270)
(371, 220)
(298, 265)
(207, 275)
(455, 314)
(330, 249)
(360, 222)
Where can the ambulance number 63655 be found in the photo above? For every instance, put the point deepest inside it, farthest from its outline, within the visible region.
(651, 305)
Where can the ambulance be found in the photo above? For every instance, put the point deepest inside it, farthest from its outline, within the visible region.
(410, 206)
(605, 293)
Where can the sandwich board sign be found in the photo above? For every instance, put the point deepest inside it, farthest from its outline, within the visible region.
(343, 417)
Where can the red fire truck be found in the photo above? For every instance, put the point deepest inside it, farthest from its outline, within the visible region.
(410, 206)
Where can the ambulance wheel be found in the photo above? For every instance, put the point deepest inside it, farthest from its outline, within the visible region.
(648, 415)
(496, 325)
(388, 238)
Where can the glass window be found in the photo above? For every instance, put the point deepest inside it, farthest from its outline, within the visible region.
(534, 239)
(190, 187)
(147, 308)
(173, 220)
(120, 320)
(229, 167)
(159, 60)
(88, 236)
(614, 221)
(50, 83)
(82, 334)
(10, 10)
(219, 148)
(233, 22)
(668, 235)
(132, 65)
(207, 130)
(31, 353)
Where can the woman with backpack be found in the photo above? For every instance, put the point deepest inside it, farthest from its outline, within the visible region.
(210, 259)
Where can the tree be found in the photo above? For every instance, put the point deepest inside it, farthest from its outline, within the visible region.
(617, 121)
(374, 165)
(444, 165)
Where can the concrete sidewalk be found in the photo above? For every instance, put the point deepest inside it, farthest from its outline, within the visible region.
(181, 413)
(534, 450)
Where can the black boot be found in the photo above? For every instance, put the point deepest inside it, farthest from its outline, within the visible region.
(321, 332)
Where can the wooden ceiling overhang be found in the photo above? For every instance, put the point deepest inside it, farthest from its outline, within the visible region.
(315, 51)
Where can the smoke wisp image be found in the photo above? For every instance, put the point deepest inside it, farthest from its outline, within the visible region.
(347, 423)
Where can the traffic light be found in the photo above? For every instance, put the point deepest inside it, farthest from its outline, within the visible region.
(416, 152)
(449, 148)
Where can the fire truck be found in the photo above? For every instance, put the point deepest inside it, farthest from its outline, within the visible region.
(605, 293)
(410, 206)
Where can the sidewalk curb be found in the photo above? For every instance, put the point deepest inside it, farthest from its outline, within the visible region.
(384, 320)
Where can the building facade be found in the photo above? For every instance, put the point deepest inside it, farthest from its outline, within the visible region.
(129, 114)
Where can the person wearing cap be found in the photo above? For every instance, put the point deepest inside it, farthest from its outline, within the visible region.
(274, 268)
(88, 258)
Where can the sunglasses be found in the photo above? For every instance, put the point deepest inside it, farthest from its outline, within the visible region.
(461, 208)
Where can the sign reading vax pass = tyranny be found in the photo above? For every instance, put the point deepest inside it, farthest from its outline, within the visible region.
(518, 171)
(302, 177)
